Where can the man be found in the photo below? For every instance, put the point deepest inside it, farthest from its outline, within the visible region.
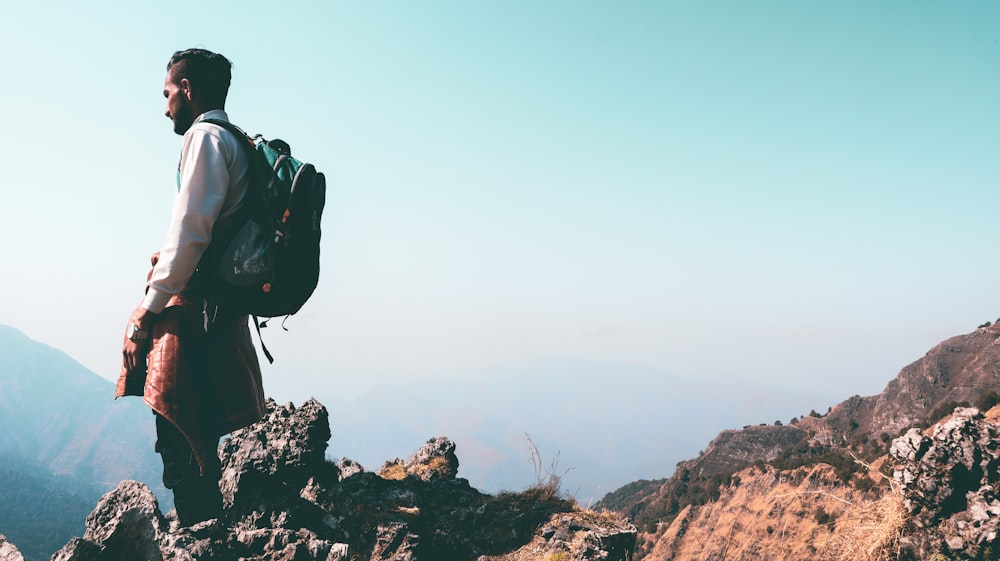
(191, 360)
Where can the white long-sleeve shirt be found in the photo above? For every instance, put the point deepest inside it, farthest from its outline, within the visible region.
(213, 181)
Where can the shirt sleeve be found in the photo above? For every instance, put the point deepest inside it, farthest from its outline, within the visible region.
(204, 183)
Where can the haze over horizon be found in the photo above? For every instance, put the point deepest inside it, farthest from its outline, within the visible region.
(792, 195)
(596, 432)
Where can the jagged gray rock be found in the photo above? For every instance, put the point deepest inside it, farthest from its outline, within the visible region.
(128, 519)
(579, 535)
(7, 550)
(284, 501)
(348, 467)
(434, 460)
(950, 484)
(266, 467)
(78, 549)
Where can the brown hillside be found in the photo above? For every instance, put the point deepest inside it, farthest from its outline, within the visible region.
(802, 514)
(696, 513)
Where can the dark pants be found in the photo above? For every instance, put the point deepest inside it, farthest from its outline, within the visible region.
(196, 496)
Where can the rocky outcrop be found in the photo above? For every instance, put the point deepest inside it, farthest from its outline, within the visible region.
(950, 483)
(734, 450)
(284, 501)
(435, 460)
(7, 550)
(577, 535)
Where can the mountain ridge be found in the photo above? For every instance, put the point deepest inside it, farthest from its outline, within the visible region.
(853, 439)
(82, 424)
(64, 435)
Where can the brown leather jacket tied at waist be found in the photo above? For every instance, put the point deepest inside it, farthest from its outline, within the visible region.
(207, 384)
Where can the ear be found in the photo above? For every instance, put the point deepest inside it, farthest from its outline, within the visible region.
(186, 89)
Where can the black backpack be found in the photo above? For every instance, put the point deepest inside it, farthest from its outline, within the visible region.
(264, 260)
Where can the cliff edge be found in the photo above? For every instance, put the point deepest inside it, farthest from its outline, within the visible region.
(285, 502)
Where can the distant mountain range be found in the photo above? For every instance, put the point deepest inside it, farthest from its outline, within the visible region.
(63, 435)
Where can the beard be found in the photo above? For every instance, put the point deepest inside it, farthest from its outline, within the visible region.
(183, 118)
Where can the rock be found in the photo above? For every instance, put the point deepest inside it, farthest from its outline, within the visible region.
(284, 501)
(949, 484)
(267, 468)
(7, 550)
(284, 450)
(126, 520)
(349, 467)
(78, 549)
(909, 446)
(394, 542)
(578, 535)
(434, 460)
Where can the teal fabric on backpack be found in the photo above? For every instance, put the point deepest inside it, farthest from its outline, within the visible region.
(264, 260)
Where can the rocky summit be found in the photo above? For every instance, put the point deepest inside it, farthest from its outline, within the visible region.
(284, 501)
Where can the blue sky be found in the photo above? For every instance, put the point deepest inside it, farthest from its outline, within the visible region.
(798, 193)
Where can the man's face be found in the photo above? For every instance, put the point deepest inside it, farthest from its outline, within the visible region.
(179, 108)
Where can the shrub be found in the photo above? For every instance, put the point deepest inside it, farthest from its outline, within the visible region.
(945, 409)
(822, 516)
(987, 400)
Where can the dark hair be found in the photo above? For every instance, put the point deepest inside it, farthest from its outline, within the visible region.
(209, 72)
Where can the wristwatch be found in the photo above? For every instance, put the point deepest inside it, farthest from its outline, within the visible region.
(135, 334)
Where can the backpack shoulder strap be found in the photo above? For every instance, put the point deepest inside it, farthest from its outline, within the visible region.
(240, 133)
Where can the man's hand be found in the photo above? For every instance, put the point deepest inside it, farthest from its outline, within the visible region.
(134, 352)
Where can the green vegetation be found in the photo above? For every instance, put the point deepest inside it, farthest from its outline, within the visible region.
(942, 411)
(682, 490)
(987, 400)
(824, 517)
(39, 512)
(803, 454)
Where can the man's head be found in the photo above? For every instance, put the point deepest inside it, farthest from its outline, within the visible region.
(197, 81)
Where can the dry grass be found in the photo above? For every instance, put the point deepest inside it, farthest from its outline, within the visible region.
(436, 464)
(548, 482)
(777, 515)
(393, 471)
(869, 531)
